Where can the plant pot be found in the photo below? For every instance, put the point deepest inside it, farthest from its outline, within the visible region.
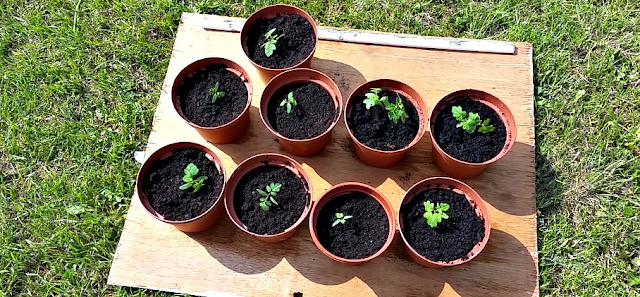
(236, 112)
(380, 157)
(243, 200)
(313, 118)
(297, 46)
(335, 199)
(455, 167)
(477, 211)
(174, 154)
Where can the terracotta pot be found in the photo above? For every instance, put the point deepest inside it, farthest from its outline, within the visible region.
(228, 132)
(379, 158)
(301, 147)
(205, 220)
(458, 168)
(249, 165)
(341, 189)
(269, 12)
(458, 187)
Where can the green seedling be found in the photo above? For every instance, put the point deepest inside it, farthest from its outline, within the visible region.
(470, 121)
(373, 99)
(216, 93)
(190, 178)
(435, 215)
(270, 45)
(396, 111)
(289, 102)
(268, 196)
(340, 219)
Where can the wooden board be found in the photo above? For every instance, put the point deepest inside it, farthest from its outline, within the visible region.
(225, 262)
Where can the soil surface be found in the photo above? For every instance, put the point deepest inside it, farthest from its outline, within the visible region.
(292, 200)
(373, 128)
(196, 98)
(476, 147)
(361, 236)
(312, 116)
(453, 238)
(293, 47)
(164, 178)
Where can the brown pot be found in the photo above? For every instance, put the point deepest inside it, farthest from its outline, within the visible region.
(381, 158)
(247, 166)
(228, 132)
(268, 12)
(301, 147)
(459, 187)
(458, 168)
(344, 188)
(200, 223)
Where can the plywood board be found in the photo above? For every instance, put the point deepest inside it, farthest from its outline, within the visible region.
(226, 262)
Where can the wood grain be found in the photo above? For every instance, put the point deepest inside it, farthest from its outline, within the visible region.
(225, 262)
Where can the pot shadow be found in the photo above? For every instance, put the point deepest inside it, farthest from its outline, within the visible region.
(239, 251)
(376, 274)
(509, 184)
(345, 76)
(505, 267)
(256, 140)
(548, 188)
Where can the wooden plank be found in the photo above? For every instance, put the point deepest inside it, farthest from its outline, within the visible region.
(379, 38)
(225, 262)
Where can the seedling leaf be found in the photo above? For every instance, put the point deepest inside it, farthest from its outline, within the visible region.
(268, 195)
(270, 45)
(290, 102)
(190, 178)
(216, 93)
(458, 113)
(434, 214)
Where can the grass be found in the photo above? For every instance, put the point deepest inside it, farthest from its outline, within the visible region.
(79, 81)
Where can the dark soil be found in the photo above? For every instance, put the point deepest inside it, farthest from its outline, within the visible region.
(373, 128)
(476, 147)
(164, 178)
(361, 236)
(311, 117)
(293, 47)
(453, 238)
(196, 98)
(292, 200)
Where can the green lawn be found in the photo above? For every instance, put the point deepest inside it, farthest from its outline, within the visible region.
(79, 81)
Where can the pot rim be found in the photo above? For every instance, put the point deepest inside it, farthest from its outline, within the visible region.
(258, 14)
(295, 167)
(479, 208)
(337, 190)
(236, 69)
(422, 118)
(337, 101)
(508, 143)
(159, 155)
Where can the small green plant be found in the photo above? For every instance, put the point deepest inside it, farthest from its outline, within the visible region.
(270, 45)
(435, 213)
(373, 99)
(268, 196)
(216, 93)
(395, 111)
(340, 219)
(190, 178)
(289, 102)
(470, 121)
